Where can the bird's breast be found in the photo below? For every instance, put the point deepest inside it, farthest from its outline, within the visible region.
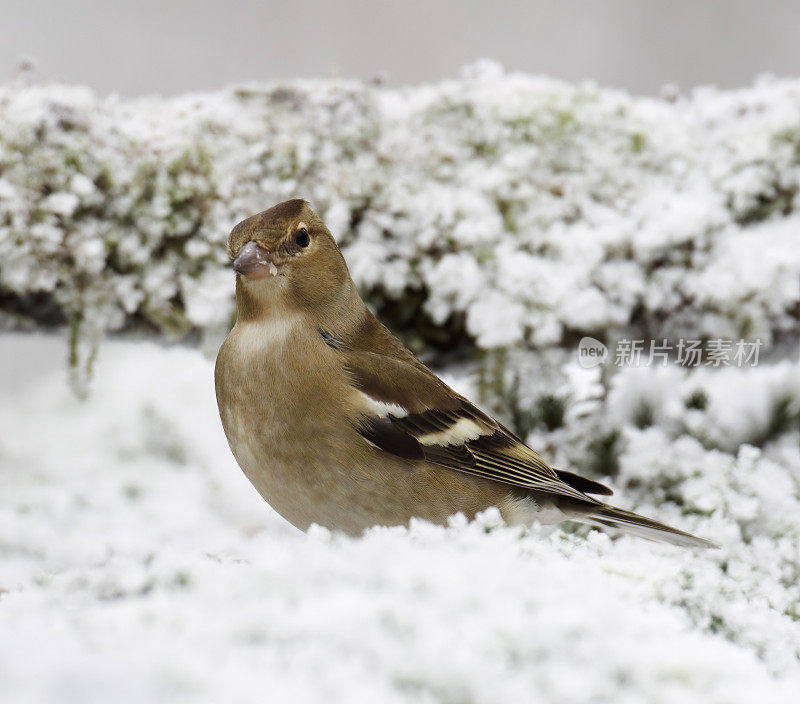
(280, 392)
(267, 375)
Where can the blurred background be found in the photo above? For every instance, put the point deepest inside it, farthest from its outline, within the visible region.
(171, 46)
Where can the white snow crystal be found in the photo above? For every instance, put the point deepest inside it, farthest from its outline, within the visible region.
(496, 321)
(61, 203)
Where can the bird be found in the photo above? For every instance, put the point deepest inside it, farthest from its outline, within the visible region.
(337, 423)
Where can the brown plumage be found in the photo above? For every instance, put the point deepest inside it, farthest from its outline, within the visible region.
(336, 422)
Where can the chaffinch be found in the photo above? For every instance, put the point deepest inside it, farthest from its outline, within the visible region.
(336, 422)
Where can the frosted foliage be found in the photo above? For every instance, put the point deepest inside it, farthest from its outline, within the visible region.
(563, 208)
(508, 212)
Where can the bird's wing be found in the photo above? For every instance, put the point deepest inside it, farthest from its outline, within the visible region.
(410, 412)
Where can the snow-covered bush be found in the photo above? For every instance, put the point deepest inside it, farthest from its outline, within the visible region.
(496, 209)
(499, 214)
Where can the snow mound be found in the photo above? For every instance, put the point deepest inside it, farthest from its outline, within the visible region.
(139, 565)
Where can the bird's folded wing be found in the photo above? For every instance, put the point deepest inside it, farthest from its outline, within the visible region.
(408, 411)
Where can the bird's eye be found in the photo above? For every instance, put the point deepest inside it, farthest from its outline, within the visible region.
(301, 237)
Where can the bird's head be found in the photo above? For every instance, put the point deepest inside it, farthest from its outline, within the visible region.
(286, 258)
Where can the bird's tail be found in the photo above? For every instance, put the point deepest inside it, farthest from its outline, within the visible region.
(604, 516)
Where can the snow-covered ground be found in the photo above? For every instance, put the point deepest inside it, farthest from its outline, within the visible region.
(138, 565)
(500, 216)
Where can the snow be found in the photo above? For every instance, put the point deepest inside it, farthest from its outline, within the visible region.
(511, 214)
(575, 209)
(140, 565)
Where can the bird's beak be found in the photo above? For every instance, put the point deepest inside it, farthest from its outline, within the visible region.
(253, 262)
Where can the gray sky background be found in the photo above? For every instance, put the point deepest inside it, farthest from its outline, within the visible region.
(169, 46)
